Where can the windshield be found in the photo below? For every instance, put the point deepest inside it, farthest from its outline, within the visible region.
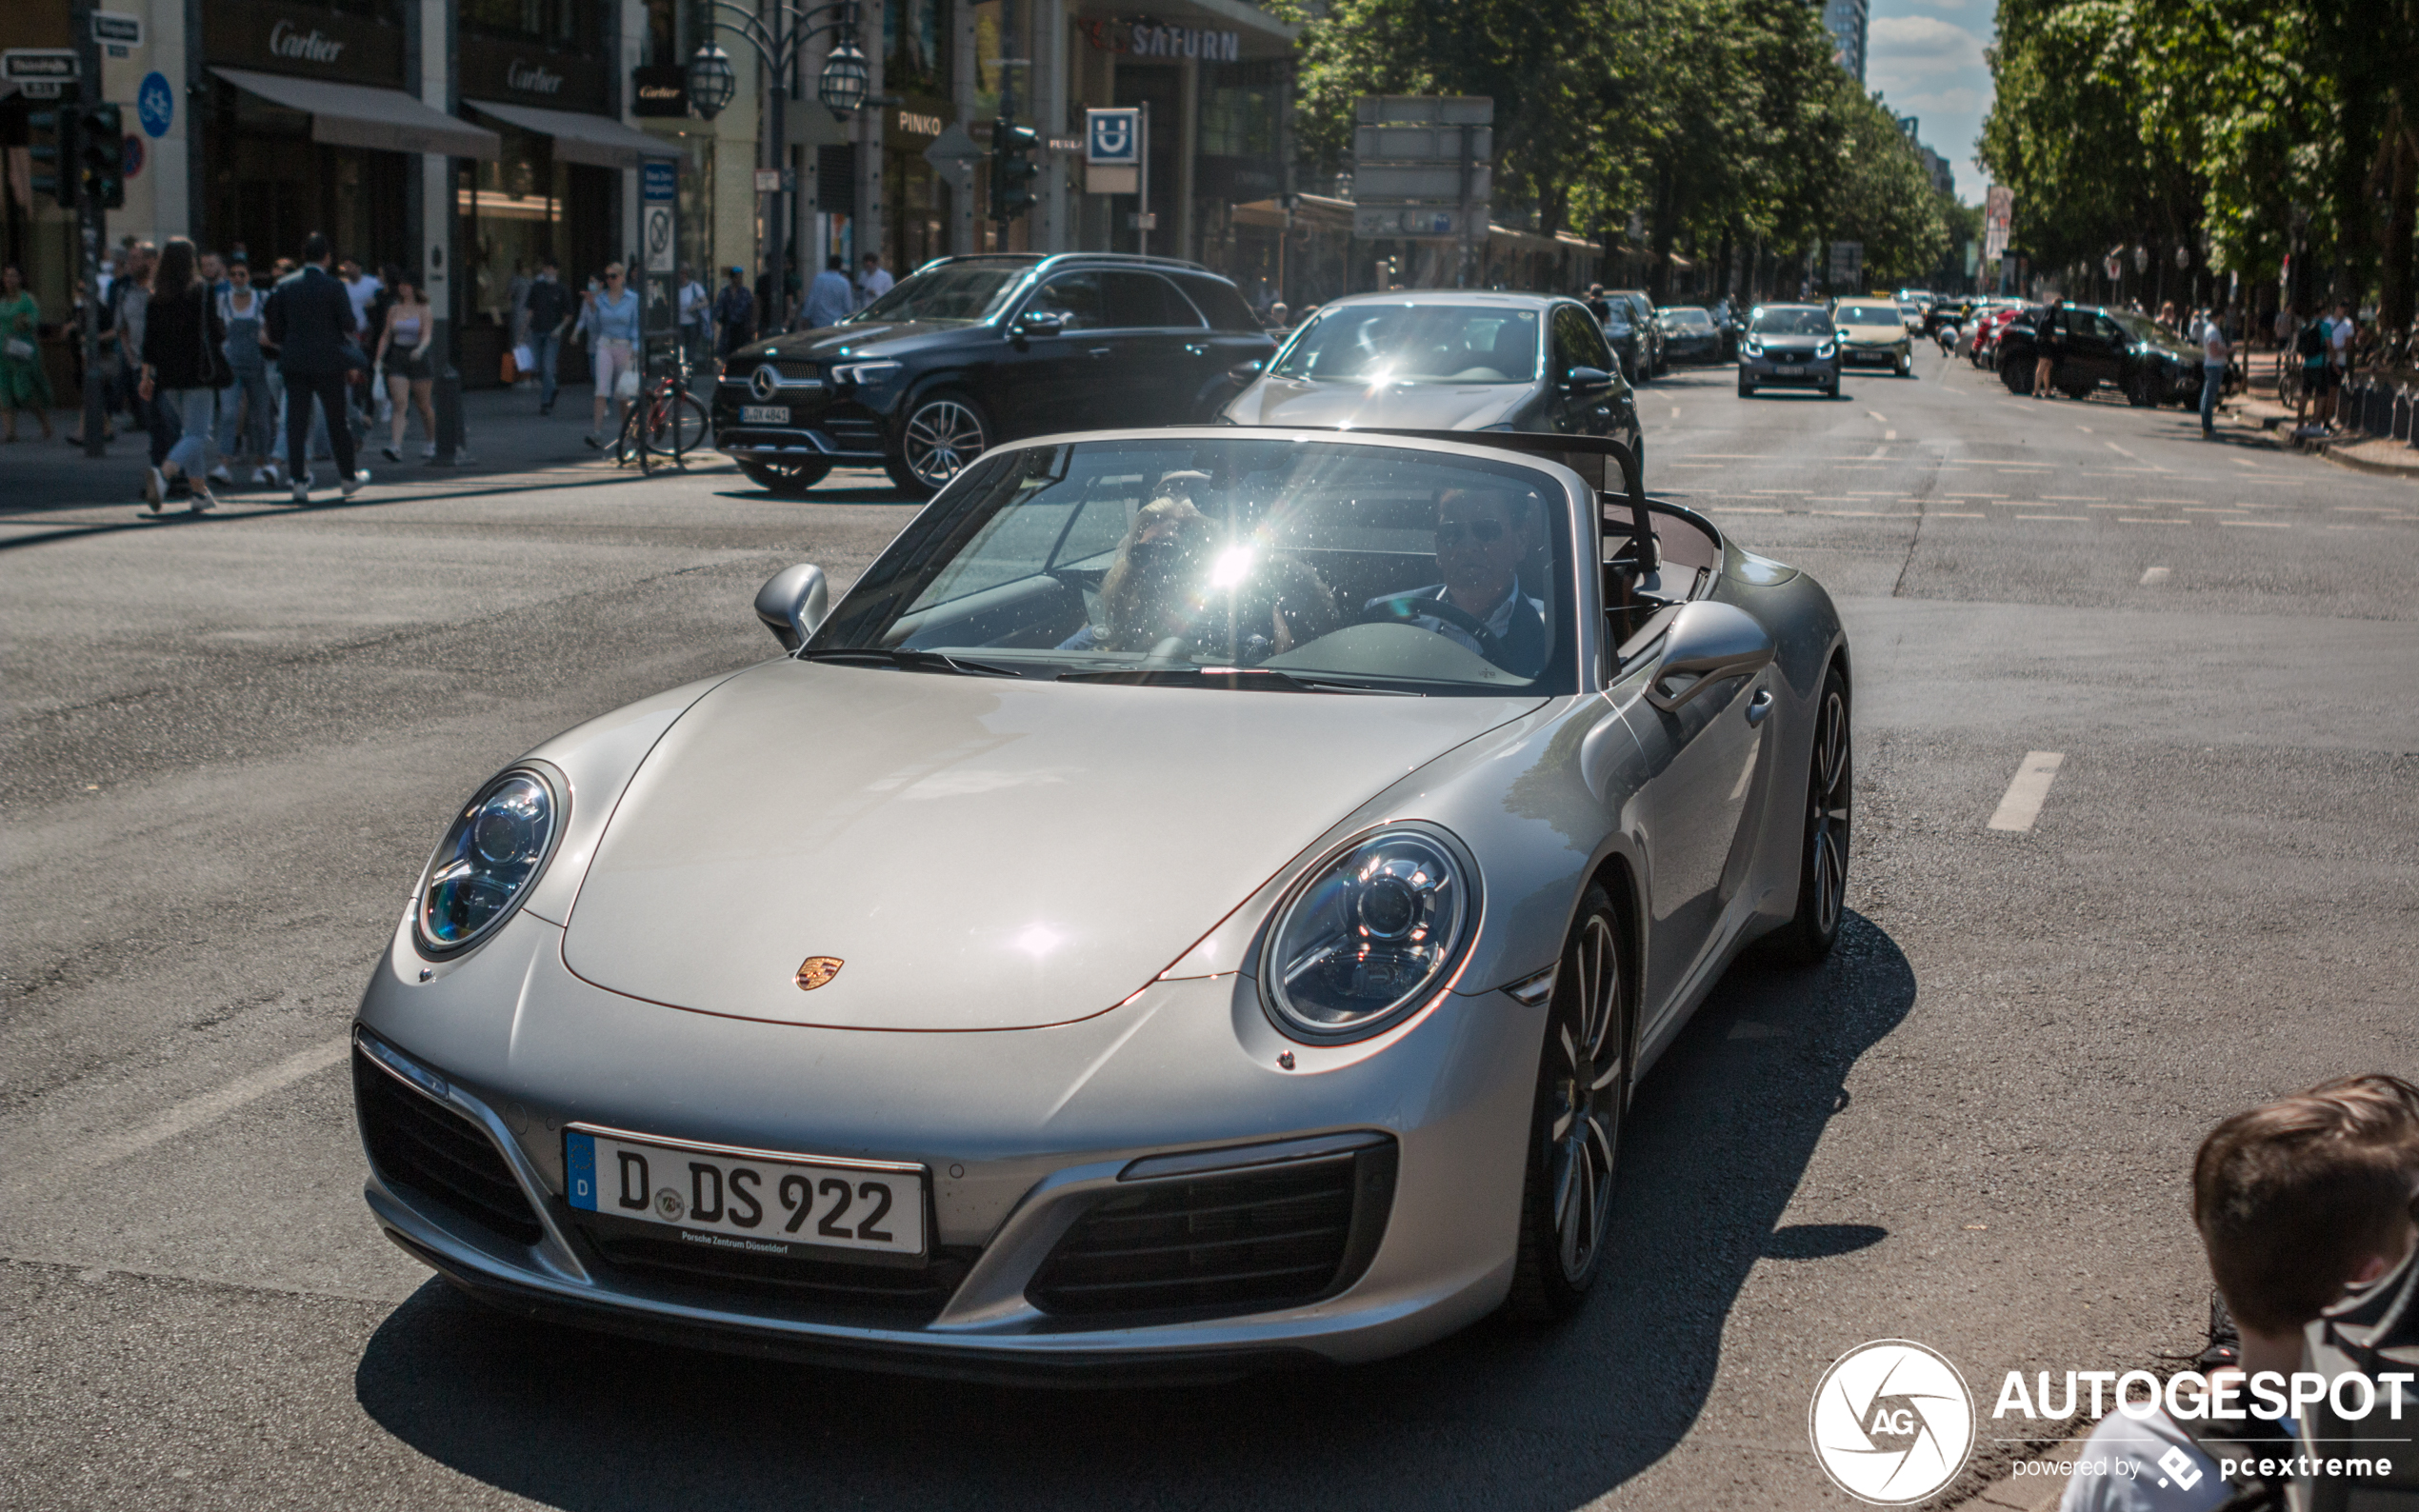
(2142, 328)
(1790, 319)
(1469, 344)
(960, 295)
(1225, 563)
(1688, 319)
(1869, 314)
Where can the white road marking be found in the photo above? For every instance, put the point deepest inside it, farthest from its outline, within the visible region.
(2154, 574)
(2072, 498)
(2119, 450)
(1953, 514)
(1675, 412)
(2027, 791)
(204, 1108)
(1889, 435)
(2087, 431)
(1878, 415)
(2084, 517)
(2129, 519)
(2261, 524)
(2244, 462)
(2167, 501)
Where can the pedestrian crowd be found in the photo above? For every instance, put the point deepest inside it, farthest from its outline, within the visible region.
(225, 368)
(2307, 1210)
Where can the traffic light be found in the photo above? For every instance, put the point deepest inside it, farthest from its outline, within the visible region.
(1013, 169)
(101, 150)
(51, 146)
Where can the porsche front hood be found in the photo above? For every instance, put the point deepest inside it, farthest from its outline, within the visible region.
(977, 853)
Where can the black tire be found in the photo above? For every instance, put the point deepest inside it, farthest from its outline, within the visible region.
(1574, 1136)
(786, 480)
(1747, 390)
(1830, 391)
(2076, 390)
(2017, 377)
(1830, 801)
(942, 432)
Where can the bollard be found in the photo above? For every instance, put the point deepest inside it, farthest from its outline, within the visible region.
(447, 399)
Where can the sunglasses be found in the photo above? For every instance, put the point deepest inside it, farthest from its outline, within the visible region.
(1486, 532)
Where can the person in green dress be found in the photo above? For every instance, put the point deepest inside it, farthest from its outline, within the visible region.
(23, 384)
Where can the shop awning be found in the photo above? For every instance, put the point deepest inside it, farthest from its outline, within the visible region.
(357, 115)
(598, 140)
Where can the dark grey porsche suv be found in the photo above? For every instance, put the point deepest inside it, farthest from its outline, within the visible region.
(970, 351)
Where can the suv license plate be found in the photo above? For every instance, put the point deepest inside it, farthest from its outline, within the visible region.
(747, 1200)
(764, 415)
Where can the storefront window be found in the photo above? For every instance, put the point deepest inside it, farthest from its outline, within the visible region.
(511, 216)
(916, 51)
(1239, 120)
(573, 26)
(661, 44)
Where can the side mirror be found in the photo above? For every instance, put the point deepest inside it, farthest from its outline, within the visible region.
(1708, 643)
(792, 602)
(1242, 372)
(1586, 380)
(1041, 323)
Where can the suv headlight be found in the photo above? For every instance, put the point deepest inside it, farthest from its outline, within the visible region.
(864, 374)
(495, 850)
(1371, 935)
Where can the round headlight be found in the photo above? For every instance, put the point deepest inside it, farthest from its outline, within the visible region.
(489, 858)
(1371, 936)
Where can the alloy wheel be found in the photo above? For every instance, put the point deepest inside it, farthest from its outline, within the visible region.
(1829, 799)
(1588, 1077)
(942, 437)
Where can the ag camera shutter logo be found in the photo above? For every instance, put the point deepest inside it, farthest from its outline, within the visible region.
(1892, 1421)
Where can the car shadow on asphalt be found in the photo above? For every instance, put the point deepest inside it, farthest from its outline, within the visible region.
(1500, 1416)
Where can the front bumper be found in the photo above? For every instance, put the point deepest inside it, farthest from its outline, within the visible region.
(1881, 355)
(820, 427)
(1781, 370)
(1023, 1133)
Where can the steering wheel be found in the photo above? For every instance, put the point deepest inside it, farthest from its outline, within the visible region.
(1402, 611)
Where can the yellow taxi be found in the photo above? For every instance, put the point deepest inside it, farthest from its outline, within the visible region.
(1872, 333)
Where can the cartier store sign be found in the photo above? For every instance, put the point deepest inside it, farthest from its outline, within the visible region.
(303, 39)
(515, 73)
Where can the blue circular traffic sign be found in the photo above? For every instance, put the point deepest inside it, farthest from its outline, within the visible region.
(155, 102)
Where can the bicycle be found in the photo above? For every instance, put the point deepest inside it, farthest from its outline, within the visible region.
(665, 419)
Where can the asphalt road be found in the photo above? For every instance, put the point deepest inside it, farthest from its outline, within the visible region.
(231, 741)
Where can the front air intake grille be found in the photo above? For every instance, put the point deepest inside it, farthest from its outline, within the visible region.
(421, 1145)
(893, 1296)
(853, 433)
(1237, 1241)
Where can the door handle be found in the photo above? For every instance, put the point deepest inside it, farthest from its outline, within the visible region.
(1760, 705)
(1101, 351)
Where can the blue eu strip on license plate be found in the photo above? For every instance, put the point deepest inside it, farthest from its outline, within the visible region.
(579, 1169)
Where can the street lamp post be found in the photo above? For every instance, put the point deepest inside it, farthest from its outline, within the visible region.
(841, 88)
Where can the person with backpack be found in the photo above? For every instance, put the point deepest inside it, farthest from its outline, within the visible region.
(2310, 349)
(2296, 1201)
(184, 366)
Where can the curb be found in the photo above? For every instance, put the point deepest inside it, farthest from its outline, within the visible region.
(2383, 470)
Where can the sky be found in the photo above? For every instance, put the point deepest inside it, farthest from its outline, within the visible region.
(1925, 56)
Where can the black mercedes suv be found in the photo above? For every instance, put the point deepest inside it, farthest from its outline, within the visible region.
(970, 351)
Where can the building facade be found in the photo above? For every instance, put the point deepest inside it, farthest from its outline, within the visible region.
(1846, 20)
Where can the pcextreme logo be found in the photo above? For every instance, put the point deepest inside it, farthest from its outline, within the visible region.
(1892, 1421)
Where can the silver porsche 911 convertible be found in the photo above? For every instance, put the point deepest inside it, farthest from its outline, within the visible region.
(1200, 902)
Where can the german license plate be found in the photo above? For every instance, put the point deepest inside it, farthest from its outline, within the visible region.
(1789, 369)
(747, 1200)
(764, 415)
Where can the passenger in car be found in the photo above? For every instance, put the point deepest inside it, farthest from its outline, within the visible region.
(1483, 535)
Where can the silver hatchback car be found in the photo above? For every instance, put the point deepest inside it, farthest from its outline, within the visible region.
(1200, 901)
(1791, 345)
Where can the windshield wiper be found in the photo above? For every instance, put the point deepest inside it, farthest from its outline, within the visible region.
(1242, 677)
(911, 661)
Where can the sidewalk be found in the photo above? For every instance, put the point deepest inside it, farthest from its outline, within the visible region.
(2378, 454)
(504, 436)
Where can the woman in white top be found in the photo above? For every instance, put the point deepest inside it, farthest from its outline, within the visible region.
(403, 352)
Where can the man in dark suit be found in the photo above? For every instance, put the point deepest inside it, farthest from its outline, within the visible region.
(1483, 535)
(310, 317)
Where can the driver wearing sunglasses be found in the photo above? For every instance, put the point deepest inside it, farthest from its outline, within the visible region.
(1483, 535)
